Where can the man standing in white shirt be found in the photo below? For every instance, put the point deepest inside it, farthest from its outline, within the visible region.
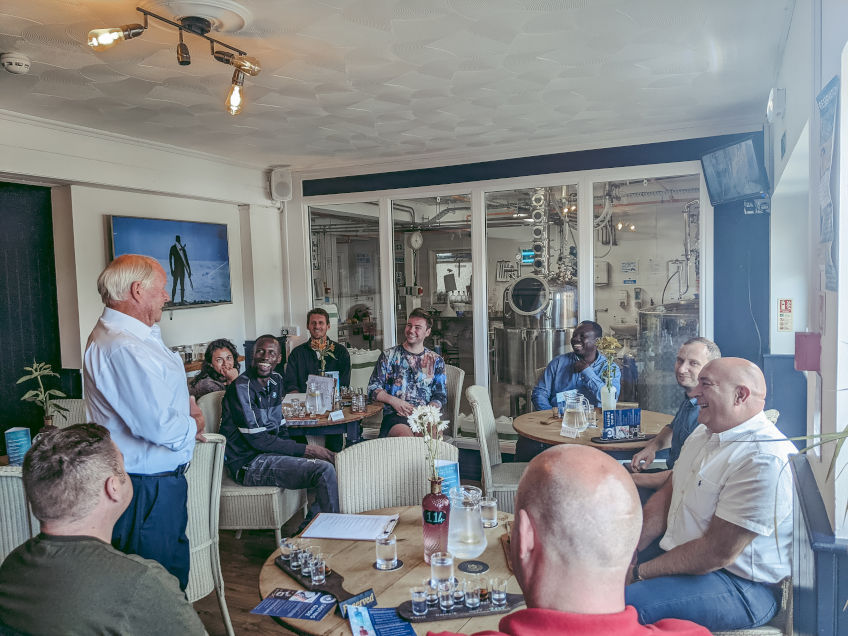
(136, 387)
(718, 563)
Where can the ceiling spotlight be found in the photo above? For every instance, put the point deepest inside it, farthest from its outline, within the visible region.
(244, 63)
(632, 228)
(16, 63)
(619, 225)
(183, 56)
(102, 39)
(235, 97)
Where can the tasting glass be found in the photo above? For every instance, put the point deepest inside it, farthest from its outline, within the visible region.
(419, 599)
(386, 547)
(489, 512)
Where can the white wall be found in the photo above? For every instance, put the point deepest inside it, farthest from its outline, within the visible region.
(89, 210)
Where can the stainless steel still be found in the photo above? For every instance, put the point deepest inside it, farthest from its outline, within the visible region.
(662, 329)
(540, 314)
(536, 302)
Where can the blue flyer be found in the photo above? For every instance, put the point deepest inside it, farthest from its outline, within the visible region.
(305, 604)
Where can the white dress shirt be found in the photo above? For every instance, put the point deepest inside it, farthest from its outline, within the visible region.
(136, 387)
(736, 475)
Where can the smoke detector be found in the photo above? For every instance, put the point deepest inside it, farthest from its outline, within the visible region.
(16, 63)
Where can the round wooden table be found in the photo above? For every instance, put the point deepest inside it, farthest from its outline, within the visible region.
(353, 560)
(541, 426)
(314, 428)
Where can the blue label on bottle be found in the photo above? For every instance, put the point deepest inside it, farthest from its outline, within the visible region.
(435, 517)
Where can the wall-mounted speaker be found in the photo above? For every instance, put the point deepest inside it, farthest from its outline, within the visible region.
(280, 184)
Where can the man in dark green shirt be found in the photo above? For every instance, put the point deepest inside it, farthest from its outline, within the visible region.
(69, 579)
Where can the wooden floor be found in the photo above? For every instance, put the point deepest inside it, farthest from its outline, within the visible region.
(241, 560)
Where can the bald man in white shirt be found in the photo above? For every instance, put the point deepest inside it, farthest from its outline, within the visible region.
(718, 563)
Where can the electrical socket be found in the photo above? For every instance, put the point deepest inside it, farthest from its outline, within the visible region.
(290, 330)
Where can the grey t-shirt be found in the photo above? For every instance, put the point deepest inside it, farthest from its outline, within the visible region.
(80, 585)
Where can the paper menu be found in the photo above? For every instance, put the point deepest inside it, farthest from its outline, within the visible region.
(332, 525)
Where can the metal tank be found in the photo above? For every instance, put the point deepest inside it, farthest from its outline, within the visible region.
(540, 314)
(662, 329)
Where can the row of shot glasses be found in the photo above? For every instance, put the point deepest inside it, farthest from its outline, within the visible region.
(306, 558)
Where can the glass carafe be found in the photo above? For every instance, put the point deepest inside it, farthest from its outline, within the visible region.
(314, 402)
(466, 538)
(576, 412)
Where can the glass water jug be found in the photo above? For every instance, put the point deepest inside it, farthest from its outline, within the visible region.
(466, 538)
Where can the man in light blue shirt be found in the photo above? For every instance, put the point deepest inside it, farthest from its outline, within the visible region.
(581, 369)
(136, 387)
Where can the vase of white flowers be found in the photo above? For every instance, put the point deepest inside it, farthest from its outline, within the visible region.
(609, 346)
(427, 422)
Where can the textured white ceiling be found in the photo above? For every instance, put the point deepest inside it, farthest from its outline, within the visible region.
(351, 82)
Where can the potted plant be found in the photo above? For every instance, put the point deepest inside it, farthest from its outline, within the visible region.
(43, 396)
(609, 346)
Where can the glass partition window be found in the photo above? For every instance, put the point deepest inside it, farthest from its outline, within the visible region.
(346, 271)
(647, 277)
(531, 245)
(432, 253)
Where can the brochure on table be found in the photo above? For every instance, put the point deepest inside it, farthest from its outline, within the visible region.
(303, 604)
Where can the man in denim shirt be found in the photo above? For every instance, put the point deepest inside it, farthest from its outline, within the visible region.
(581, 369)
(259, 449)
(692, 356)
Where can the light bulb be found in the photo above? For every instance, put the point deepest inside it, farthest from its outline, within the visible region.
(183, 55)
(235, 99)
(619, 226)
(102, 39)
(244, 63)
(632, 228)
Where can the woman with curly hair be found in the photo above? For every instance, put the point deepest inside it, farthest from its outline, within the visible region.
(220, 367)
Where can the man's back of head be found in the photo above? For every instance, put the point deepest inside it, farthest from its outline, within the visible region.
(67, 474)
(577, 523)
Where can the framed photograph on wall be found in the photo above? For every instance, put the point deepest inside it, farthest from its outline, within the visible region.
(195, 256)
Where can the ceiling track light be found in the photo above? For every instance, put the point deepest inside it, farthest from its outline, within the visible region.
(102, 39)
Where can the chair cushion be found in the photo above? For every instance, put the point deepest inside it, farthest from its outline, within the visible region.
(505, 476)
(230, 487)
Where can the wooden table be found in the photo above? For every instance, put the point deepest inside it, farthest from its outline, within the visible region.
(354, 559)
(540, 426)
(320, 425)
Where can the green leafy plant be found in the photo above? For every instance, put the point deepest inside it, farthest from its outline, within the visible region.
(609, 346)
(43, 396)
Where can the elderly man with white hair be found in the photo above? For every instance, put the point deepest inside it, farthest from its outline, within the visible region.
(136, 387)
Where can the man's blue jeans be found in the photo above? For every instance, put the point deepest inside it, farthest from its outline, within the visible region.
(293, 473)
(718, 600)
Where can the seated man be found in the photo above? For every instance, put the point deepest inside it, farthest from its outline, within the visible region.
(259, 449)
(581, 370)
(408, 375)
(691, 358)
(68, 579)
(305, 359)
(577, 520)
(718, 561)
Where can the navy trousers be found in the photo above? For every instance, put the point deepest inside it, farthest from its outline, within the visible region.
(154, 525)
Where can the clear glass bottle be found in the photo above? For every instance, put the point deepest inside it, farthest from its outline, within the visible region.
(436, 509)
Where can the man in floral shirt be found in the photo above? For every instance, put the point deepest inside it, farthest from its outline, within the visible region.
(407, 376)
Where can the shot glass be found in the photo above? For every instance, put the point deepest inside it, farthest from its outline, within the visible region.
(430, 588)
(472, 594)
(446, 596)
(489, 511)
(295, 555)
(285, 549)
(441, 566)
(419, 599)
(497, 585)
(386, 547)
(459, 593)
(319, 569)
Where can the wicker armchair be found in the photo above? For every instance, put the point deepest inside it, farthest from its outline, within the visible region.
(500, 480)
(249, 507)
(204, 498)
(455, 378)
(17, 524)
(386, 472)
(75, 414)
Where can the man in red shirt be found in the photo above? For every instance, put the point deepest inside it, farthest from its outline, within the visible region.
(577, 521)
